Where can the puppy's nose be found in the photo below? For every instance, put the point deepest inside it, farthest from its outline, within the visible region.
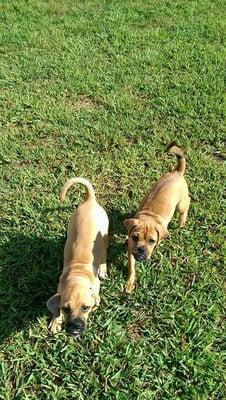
(76, 327)
(140, 253)
(141, 250)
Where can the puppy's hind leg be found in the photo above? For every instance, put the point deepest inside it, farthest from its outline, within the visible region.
(183, 208)
(102, 270)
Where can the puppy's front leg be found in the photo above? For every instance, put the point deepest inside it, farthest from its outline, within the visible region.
(131, 272)
(56, 323)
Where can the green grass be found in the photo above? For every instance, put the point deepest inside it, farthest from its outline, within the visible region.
(97, 89)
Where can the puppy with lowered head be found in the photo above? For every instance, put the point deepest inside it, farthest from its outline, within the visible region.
(149, 226)
(85, 254)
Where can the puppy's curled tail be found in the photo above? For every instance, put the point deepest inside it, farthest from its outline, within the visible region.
(172, 148)
(83, 181)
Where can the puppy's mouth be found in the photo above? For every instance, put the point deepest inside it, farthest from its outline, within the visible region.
(76, 327)
(140, 254)
(139, 257)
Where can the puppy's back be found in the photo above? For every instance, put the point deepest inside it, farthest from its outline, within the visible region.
(87, 227)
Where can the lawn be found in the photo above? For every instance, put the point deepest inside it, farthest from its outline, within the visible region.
(98, 89)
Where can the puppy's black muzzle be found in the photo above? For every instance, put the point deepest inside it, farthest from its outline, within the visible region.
(76, 327)
(140, 253)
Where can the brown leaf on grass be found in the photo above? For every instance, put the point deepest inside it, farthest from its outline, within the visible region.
(134, 332)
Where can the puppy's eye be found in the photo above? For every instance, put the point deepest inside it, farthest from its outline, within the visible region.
(151, 241)
(85, 308)
(135, 238)
(66, 309)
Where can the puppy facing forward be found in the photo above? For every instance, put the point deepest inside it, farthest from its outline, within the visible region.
(149, 226)
(84, 263)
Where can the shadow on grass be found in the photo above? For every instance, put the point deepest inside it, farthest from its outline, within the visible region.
(29, 273)
(117, 241)
(30, 270)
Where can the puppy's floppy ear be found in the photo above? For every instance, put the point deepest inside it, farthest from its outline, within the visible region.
(53, 305)
(130, 223)
(162, 232)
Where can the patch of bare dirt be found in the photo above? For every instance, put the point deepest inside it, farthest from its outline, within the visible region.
(86, 103)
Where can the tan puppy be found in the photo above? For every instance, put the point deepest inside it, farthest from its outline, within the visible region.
(149, 226)
(84, 260)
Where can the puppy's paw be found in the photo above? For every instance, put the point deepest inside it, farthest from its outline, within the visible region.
(182, 223)
(55, 326)
(129, 287)
(102, 272)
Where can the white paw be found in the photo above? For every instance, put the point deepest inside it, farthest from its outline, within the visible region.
(55, 326)
(102, 272)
